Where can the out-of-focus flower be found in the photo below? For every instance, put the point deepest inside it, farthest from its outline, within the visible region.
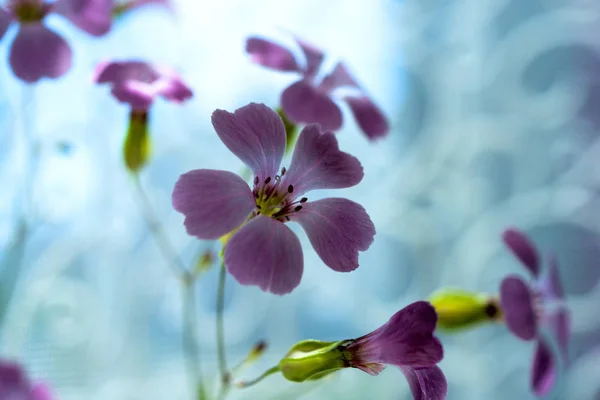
(405, 341)
(14, 384)
(526, 310)
(122, 7)
(38, 51)
(137, 84)
(460, 309)
(311, 99)
(263, 251)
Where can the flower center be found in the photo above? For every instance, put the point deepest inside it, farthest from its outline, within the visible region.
(274, 200)
(28, 11)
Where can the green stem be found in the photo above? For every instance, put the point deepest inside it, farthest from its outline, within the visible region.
(221, 355)
(269, 372)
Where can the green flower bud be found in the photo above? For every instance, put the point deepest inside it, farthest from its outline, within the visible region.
(291, 131)
(136, 149)
(311, 360)
(460, 309)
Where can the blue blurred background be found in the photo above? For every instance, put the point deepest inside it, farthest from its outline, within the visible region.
(492, 105)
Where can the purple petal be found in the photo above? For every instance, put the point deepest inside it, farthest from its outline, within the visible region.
(270, 54)
(214, 202)
(6, 19)
(91, 16)
(318, 163)
(551, 285)
(13, 382)
(37, 52)
(426, 383)
(255, 134)
(522, 247)
(339, 77)
(559, 323)
(543, 370)
(337, 229)
(517, 305)
(138, 95)
(41, 391)
(304, 104)
(267, 254)
(173, 89)
(119, 72)
(314, 57)
(368, 116)
(405, 340)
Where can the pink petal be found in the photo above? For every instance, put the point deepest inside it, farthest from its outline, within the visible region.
(339, 77)
(270, 54)
(214, 202)
(138, 95)
(304, 104)
(91, 16)
(318, 163)
(13, 381)
(119, 72)
(314, 57)
(517, 304)
(173, 89)
(543, 371)
(255, 134)
(426, 383)
(368, 116)
(267, 254)
(6, 19)
(522, 247)
(37, 52)
(337, 229)
(41, 391)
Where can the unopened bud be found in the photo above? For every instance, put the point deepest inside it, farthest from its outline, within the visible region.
(311, 360)
(460, 309)
(136, 149)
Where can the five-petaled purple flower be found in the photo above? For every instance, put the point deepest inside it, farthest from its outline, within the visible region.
(14, 384)
(263, 251)
(526, 306)
(310, 100)
(407, 342)
(39, 52)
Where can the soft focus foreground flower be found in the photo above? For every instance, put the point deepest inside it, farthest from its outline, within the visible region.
(405, 341)
(526, 306)
(39, 52)
(460, 309)
(138, 83)
(15, 385)
(310, 100)
(263, 251)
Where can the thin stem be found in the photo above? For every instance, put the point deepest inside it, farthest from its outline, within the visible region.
(222, 358)
(191, 350)
(158, 232)
(269, 372)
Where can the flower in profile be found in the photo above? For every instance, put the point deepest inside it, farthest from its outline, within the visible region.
(405, 341)
(311, 99)
(527, 310)
(461, 309)
(14, 384)
(38, 51)
(137, 84)
(262, 250)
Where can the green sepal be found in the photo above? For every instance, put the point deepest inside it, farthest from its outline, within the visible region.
(312, 360)
(137, 147)
(291, 131)
(460, 309)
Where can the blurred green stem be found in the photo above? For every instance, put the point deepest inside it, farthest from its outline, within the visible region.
(222, 358)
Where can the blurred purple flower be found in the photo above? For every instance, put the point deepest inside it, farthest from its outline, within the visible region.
(525, 309)
(310, 100)
(138, 83)
(14, 384)
(39, 52)
(407, 342)
(264, 252)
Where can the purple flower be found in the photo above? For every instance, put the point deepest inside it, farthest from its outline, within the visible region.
(138, 83)
(407, 342)
(525, 309)
(310, 100)
(39, 52)
(263, 251)
(14, 384)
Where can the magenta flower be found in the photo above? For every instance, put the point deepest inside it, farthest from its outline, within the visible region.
(38, 51)
(525, 309)
(14, 384)
(407, 342)
(264, 252)
(138, 83)
(311, 99)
